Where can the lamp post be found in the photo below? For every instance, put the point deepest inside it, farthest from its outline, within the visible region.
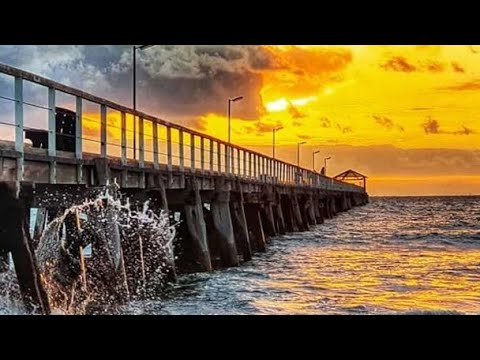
(314, 153)
(274, 130)
(325, 160)
(134, 79)
(298, 152)
(230, 101)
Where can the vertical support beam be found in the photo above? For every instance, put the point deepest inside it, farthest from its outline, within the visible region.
(211, 155)
(52, 126)
(124, 138)
(52, 135)
(227, 159)
(78, 138)
(19, 130)
(244, 163)
(255, 227)
(169, 147)
(238, 172)
(155, 144)
(254, 165)
(202, 154)
(192, 152)
(239, 223)
(197, 228)
(219, 158)
(249, 164)
(103, 131)
(181, 152)
(78, 128)
(222, 222)
(141, 143)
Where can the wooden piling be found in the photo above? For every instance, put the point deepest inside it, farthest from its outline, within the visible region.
(222, 222)
(197, 228)
(15, 238)
(239, 223)
(255, 227)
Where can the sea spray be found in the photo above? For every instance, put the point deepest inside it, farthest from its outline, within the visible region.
(112, 227)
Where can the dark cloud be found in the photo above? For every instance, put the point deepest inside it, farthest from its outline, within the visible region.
(457, 67)
(198, 123)
(325, 122)
(344, 130)
(304, 136)
(465, 131)
(431, 126)
(398, 63)
(402, 64)
(420, 108)
(295, 113)
(472, 85)
(434, 66)
(387, 123)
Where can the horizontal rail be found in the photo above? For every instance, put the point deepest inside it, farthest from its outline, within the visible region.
(219, 156)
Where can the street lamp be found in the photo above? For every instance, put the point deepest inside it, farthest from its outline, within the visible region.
(230, 101)
(134, 78)
(298, 152)
(314, 153)
(325, 160)
(274, 130)
(229, 152)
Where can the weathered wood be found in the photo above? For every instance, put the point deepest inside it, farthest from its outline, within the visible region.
(16, 239)
(222, 222)
(255, 227)
(197, 228)
(240, 225)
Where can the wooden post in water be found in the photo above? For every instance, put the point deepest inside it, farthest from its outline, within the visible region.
(15, 238)
(255, 227)
(222, 222)
(239, 223)
(197, 228)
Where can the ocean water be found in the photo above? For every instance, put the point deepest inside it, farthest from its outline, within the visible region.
(394, 256)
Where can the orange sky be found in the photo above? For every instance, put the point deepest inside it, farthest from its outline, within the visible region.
(409, 97)
(405, 116)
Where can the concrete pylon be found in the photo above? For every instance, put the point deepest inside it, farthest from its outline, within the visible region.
(239, 223)
(301, 225)
(197, 228)
(222, 222)
(255, 227)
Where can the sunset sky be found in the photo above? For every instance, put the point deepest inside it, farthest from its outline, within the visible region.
(408, 117)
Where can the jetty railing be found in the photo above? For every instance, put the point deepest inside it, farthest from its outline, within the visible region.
(104, 129)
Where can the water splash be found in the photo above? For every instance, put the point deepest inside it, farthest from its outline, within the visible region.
(132, 253)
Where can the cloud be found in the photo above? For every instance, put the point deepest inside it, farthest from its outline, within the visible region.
(344, 130)
(304, 136)
(421, 108)
(297, 123)
(199, 123)
(325, 122)
(402, 64)
(465, 131)
(387, 123)
(398, 63)
(294, 112)
(457, 67)
(431, 126)
(434, 67)
(471, 85)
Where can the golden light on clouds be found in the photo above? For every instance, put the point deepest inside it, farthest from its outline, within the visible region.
(350, 100)
(411, 97)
